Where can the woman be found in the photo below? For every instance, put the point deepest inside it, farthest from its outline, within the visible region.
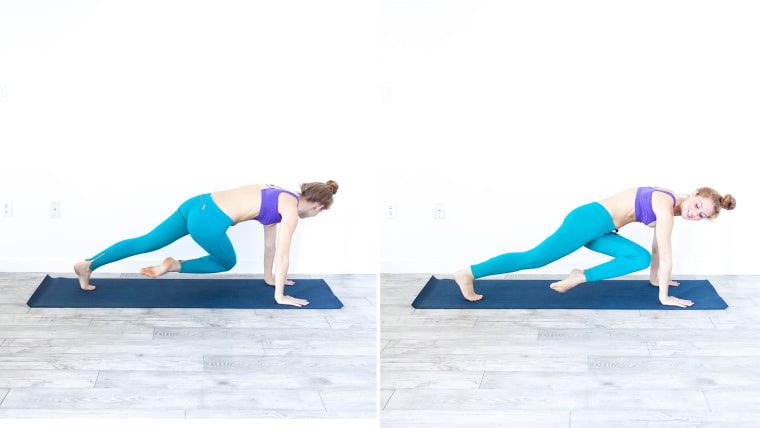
(206, 219)
(595, 226)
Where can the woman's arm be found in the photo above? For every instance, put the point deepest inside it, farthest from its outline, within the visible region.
(270, 247)
(655, 266)
(662, 233)
(289, 212)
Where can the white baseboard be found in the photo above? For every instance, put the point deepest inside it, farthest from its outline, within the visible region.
(560, 267)
(134, 264)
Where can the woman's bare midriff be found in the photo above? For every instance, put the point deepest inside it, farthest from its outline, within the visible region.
(622, 207)
(240, 204)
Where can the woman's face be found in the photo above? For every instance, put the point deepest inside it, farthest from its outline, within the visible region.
(697, 208)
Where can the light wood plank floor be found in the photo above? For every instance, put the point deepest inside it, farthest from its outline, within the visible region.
(188, 363)
(570, 368)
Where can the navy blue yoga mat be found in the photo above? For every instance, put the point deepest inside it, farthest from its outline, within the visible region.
(179, 293)
(536, 294)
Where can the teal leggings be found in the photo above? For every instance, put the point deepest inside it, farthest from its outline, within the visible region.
(198, 217)
(588, 226)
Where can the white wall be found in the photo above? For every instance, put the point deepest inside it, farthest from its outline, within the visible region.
(514, 113)
(121, 110)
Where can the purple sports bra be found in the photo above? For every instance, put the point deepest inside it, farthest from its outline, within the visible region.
(269, 211)
(644, 212)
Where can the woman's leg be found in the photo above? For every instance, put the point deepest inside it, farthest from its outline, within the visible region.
(208, 227)
(628, 257)
(164, 234)
(582, 225)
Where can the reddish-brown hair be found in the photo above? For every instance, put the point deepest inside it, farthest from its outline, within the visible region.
(321, 193)
(727, 202)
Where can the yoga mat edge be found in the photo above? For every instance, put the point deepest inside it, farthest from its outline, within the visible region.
(211, 293)
(536, 294)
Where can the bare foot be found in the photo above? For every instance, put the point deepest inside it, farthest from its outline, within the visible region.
(464, 280)
(82, 269)
(576, 277)
(168, 265)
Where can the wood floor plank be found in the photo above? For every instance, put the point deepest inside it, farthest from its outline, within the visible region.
(622, 334)
(103, 361)
(503, 362)
(27, 320)
(726, 347)
(663, 419)
(457, 333)
(84, 414)
(360, 365)
(431, 322)
(241, 334)
(159, 399)
(47, 378)
(73, 331)
(479, 419)
(48, 347)
(445, 379)
(311, 417)
(541, 398)
(675, 363)
(618, 380)
(14, 308)
(496, 346)
(337, 345)
(235, 379)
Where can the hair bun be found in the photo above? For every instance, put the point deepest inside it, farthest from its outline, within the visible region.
(728, 202)
(333, 185)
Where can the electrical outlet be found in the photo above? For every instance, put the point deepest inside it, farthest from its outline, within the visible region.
(7, 209)
(390, 210)
(55, 209)
(440, 210)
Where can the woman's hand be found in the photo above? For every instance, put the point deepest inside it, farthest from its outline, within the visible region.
(270, 281)
(674, 301)
(288, 300)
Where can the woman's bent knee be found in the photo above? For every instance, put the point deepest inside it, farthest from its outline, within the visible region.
(641, 260)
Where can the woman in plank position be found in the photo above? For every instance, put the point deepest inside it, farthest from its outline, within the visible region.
(206, 219)
(595, 226)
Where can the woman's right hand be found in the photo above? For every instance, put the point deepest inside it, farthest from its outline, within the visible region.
(675, 301)
(288, 300)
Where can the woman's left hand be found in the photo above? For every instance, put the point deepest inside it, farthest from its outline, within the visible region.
(270, 281)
